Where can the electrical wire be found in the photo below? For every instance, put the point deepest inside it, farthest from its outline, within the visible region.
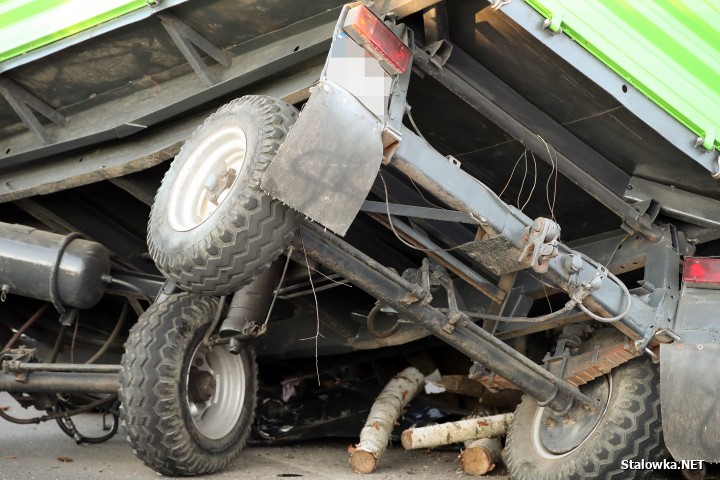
(392, 226)
(512, 174)
(113, 335)
(415, 127)
(626, 293)
(554, 169)
(54, 415)
(68, 427)
(535, 176)
(263, 328)
(522, 185)
(24, 327)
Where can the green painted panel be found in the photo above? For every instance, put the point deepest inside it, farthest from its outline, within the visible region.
(28, 24)
(667, 49)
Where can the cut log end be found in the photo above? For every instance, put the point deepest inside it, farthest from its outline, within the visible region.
(406, 439)
(480, 456)
(475, 461)
(363, 462)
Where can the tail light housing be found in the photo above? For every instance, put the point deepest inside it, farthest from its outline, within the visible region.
(702, 272)
(378, 40)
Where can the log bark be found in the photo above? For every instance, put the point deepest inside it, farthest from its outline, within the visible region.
(388, 406)
(456, 432)
(480, 456)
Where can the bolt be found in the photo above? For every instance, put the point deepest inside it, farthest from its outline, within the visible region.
(572, 263)
(546, 23)
(199, 362)
(235, 346)
(550, 423)
(680, 346)
(699, 141)
(700, 346)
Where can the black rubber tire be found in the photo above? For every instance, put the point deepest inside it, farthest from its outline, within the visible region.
(249, 229)
(630, 429)
(153, 396)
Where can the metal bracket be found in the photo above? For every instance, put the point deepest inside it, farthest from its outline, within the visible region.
(541, 244)
(434, 275)
(553, 24)
(189, 41)
(454, 161)
(664, 335)
(498, 4)
(68, 317)
(435, 23)
(21, 101)
(392, 130)
(13, 358)
(439, 52)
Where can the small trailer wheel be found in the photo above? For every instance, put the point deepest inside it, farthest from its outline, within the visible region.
(211, 228)
(188, 409)
(591, 444)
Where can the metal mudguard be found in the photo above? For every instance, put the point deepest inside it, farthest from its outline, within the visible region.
(329, 160)
(689, 392)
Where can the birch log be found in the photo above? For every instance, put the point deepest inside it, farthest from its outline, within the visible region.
(388, 406)
(456, 432)
(480, 456)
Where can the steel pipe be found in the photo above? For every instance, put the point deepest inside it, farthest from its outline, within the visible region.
(61, 382)
(63, 367)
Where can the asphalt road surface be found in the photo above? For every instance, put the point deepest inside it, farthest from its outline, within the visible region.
(43, 452)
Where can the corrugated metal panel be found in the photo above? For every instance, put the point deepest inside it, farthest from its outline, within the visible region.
(669, 50)
(29, 24)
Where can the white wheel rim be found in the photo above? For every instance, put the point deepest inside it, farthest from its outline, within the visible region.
(542, 450)
(190, 202)
(218, 416)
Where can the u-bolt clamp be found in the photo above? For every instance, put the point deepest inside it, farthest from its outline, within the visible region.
(541, 244)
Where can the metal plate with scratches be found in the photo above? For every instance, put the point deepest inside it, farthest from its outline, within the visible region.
(689, 392)
(329, 160)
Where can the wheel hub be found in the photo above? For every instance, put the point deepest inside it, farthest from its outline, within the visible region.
(201, 385)
(215, 390)
(206, 177)
(217, 183)
(560, 435)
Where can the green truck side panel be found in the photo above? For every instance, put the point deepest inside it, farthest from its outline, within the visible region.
(29, 24)
(667, 49)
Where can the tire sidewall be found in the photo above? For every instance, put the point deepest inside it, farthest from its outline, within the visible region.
(153, 393)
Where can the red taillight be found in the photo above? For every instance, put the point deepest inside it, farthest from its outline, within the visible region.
(702, 271)
(367, 30)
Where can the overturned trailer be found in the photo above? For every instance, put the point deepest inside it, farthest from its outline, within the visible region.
(554, 175)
